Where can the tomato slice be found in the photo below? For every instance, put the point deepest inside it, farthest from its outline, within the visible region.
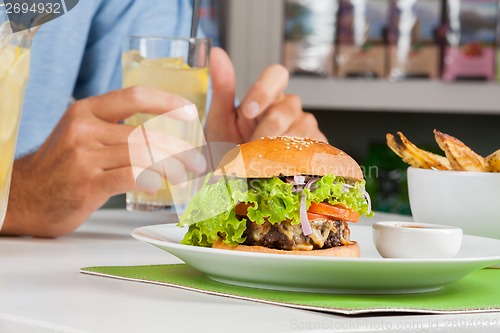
(315, 212)
(242, 208)
(313, 216)
(336, 211)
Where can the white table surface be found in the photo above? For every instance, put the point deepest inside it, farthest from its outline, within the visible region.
(41, 290)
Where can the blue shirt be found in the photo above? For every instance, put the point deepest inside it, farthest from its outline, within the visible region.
(79, 55)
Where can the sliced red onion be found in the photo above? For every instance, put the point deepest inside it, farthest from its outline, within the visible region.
(368, 199)
(299, 183)
(299, 180)
(311, 181)
(346, 187)
(304, 221)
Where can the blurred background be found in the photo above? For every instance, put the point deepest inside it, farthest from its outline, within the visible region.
(369, 67)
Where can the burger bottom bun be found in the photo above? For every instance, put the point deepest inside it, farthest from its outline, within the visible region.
(344, 251)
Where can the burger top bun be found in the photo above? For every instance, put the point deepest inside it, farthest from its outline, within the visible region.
(287, 156)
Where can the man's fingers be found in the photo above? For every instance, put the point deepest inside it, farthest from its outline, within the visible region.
(161, 146)
(267, 90)
(130, 178)
(121, 104)
(149, 180)
(117, 181)
(222, 114)
(113, 134)
(279, 118)
(120, 157)
(223, 82)
(307, 126)
(136, 154)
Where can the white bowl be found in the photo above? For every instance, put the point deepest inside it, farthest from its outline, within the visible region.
(468, 200)
(416, 240)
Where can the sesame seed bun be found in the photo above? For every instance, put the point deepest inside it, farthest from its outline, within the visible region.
(287, 156)
(344, 251)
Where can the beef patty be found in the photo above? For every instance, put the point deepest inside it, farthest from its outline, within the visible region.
(326, 233)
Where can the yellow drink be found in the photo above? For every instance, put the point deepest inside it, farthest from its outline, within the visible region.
(14, 74)
(175, 76)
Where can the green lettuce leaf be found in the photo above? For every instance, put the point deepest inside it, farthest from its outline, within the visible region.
(210, 214)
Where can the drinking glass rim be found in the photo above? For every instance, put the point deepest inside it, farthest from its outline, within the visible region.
(187, 39)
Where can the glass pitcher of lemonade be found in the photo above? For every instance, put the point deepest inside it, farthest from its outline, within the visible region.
(14, 74)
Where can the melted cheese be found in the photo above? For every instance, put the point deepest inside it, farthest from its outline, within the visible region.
(286, 229)
(321, 231)
(260, 230)
(344, 231)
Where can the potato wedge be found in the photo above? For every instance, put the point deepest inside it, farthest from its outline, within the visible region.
(461, 157)
(415, 156)
(399, 150)
(493, 161)
(429, 160)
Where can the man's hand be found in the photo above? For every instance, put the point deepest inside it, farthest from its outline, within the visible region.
(265, 111)
(85, 161)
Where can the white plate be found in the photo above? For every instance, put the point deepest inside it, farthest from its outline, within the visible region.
(370, 274)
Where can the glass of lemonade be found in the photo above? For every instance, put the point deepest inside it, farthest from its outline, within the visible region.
(14, 74)
(176, 65)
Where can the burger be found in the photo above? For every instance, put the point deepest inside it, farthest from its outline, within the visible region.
(284, 195)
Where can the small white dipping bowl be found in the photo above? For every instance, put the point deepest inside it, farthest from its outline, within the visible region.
(416, 240)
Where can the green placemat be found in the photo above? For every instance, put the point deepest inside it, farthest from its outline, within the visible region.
(478, 292)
